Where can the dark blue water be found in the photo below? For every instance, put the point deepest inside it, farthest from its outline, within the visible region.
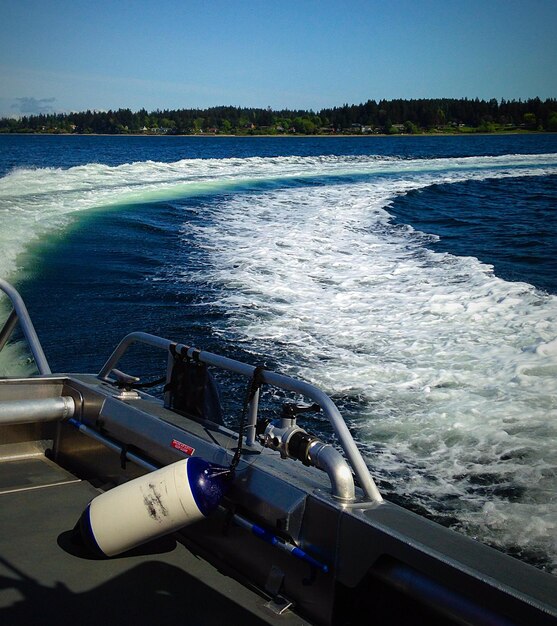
(69, 151)
(510, 224)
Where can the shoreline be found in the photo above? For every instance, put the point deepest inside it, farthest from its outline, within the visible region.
(284, 136)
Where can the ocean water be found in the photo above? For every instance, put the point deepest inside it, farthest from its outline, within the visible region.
(413, 279)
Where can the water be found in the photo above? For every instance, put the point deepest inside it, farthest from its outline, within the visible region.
(411, 278)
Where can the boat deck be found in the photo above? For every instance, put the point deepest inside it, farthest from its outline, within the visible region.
(47, 578)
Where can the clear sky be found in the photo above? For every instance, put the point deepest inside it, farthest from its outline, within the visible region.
(70, 55)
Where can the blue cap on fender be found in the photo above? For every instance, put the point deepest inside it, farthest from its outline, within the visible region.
(86, 533)
(208, 483)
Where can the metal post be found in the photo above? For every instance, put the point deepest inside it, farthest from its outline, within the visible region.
(26, 326)
(252, 419)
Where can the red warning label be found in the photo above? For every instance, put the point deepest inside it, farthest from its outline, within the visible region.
(183, 447)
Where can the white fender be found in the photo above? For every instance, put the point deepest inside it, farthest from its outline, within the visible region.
(152, 505)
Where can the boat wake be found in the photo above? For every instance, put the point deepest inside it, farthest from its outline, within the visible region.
(447, 374)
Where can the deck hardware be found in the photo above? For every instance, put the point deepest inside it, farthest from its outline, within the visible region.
(274, 581)
(279, 605)
(330, 410)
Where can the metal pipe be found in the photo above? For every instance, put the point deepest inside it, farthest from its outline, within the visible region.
(329, 409)
(42, 410)
(326, 458)
(112, 445)
(26, 326)
(127, 341)
(252, 419)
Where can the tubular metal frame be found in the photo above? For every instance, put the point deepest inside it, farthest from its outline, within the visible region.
(278, 380)
(21, 315)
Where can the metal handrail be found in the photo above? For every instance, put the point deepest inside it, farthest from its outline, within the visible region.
(278, 380)
(21, 314)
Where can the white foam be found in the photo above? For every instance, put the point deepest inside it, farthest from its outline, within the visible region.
(34, 202)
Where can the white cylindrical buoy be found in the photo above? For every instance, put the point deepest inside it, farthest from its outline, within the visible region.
(153, 505)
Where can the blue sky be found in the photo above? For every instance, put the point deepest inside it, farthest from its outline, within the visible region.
(62, 55)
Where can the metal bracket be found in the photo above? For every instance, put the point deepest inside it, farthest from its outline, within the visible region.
(124, 384)
(126, 394)
(278, 604)
(274, 581)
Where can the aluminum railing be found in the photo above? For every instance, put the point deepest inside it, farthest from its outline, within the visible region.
(20, 314)
(272, 378)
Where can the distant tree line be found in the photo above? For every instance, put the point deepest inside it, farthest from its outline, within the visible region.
(385, 116)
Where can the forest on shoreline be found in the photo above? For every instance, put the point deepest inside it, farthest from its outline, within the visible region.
(389, 117)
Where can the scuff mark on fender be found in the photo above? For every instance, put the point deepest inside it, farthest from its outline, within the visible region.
(153, 503)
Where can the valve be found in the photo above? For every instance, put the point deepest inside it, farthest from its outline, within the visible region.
(290, 410)
(287, 437)
(291, 441)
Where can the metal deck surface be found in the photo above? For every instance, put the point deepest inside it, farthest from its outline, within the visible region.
(47, 578)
